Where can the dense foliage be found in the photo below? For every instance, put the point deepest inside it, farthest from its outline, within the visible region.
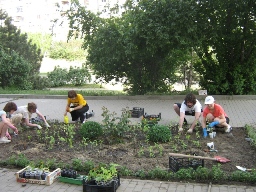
(228, 50)
(20, 58)
(137, 48)
(70, 50)
(159, 133)
(153, 40)
(74, 76)
(91, 130)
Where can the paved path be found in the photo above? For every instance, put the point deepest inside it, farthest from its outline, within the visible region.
(8, 183)
(240, 110)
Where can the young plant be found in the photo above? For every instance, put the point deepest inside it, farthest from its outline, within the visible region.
(151, 152)
(141, 151)
(159, 133)
(103, 174)
(116, 127)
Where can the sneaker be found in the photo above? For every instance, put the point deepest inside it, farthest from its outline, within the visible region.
(228, 129)
(180, 129)
(190, 131)
(4, 140)
(84, 121)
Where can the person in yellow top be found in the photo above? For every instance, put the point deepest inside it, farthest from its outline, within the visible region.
(77, 106)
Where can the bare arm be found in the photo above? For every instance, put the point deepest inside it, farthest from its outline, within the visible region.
(9, 124)
(182, 116)
(41, 116)
(30, 124)
(197, 116)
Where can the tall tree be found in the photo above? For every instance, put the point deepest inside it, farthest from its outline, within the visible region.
(228, 51)
(11, 39)
(137, 47)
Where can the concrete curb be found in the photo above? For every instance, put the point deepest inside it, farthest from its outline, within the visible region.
(136, 97)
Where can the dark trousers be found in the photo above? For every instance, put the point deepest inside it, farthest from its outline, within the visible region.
(79, 113)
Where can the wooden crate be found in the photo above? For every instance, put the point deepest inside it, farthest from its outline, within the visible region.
(50, 178)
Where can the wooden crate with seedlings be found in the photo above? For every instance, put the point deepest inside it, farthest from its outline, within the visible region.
(49, 179)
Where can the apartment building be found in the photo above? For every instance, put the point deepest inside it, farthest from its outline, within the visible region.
(38, 15)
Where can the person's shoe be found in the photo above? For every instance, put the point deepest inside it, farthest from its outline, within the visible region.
(4, 140)
(180, 129)
(190, 131)
(85, 118)
(228, 129)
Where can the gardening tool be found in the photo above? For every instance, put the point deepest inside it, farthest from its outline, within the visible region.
(215, 158)
(243, 168)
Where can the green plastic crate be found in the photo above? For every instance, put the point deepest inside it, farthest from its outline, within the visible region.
(77, 181)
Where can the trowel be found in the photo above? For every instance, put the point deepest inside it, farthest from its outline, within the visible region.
(243, 168)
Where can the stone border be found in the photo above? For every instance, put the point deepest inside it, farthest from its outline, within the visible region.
(136, 97)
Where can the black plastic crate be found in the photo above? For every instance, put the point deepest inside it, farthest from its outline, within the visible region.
(137, 112)
(152, 117)
(91, 186)
(177, 163)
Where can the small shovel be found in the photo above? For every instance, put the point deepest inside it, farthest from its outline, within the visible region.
(243, 168)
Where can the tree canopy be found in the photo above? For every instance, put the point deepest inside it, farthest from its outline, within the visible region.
(20, 58)
(146, 46)
(228, 50)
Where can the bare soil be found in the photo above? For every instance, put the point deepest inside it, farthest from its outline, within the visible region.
(134, 150)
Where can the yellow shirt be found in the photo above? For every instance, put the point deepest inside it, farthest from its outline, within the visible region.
(79, 100)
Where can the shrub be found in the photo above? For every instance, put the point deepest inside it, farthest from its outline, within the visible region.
(202, 173)
(14, 71)
(115, 127)
(78, 76)
(217, 174)
(159, 133)
(58, 77)
(91, 130)
(185, 174)
(40, 83)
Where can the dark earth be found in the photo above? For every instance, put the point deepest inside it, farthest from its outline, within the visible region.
(134, 152)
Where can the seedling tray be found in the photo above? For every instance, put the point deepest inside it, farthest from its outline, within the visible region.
(152, 117)
(50, 178)
(91, 186)
(175, 164)
(78, 181)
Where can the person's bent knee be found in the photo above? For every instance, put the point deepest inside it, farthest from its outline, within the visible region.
(210, 117)
(16, 119)
(175, 106)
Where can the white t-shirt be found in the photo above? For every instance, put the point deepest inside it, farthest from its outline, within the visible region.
(2, 113)
(24, 111)
(195, 108)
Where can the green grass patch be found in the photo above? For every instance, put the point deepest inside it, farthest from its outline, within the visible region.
(102, 92)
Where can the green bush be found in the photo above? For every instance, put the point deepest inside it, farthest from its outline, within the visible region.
(58, 77)
(217, 173)
(67, 50)
(14, 71)
(40, 83)
(202, 173)
(91, 130)
(185, 174)
(159, 133)
(78, 76)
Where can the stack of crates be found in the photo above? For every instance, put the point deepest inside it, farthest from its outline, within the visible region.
(137, 112)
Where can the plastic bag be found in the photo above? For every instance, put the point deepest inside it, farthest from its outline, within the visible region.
(66, 119)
